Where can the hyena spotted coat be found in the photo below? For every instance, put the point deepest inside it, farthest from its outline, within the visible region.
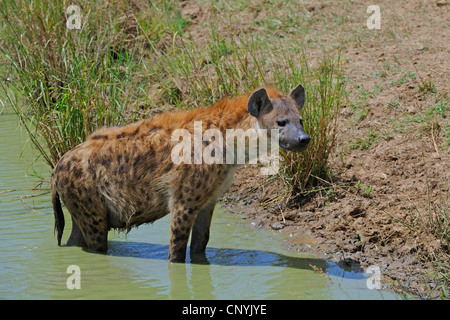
(122, 177)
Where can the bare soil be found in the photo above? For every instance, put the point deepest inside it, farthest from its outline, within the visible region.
(390, 166)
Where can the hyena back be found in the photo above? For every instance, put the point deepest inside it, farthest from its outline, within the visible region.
(122, 177)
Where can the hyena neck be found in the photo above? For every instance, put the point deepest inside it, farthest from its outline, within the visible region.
(234, 115)
(244, 138)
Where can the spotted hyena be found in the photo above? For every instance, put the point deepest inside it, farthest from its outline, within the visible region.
(122, 177)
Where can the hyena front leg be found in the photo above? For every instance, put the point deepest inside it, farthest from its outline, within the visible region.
(189, 199)
(200, 231)
(183, 217)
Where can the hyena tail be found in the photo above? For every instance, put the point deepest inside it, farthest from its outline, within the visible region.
(59, 215)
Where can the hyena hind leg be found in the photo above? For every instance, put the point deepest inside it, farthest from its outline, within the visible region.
(90, 228)
(76, 237)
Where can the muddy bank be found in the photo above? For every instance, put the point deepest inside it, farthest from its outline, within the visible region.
(346, 225)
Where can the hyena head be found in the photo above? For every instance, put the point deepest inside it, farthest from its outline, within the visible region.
(283, 114)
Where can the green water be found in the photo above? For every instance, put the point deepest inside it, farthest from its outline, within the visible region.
(243, 263)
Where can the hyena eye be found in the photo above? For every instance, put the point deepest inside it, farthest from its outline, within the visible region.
(281, 123)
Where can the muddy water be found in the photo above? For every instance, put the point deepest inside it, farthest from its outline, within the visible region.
(243, 263)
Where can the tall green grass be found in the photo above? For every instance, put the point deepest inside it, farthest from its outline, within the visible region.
(325, 93)
(68, 79)
(73, 81)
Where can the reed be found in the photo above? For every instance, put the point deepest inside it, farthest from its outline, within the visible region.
(70, 81)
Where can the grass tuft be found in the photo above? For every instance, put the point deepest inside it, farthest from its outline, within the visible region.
(325, 94)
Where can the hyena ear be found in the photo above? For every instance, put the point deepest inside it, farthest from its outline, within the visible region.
(259, 103)
(298, 95)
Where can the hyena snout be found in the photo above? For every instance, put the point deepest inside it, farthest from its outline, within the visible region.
(299, 143)
(295, 141)
(303, 140)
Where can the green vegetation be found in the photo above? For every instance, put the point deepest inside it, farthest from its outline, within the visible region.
(325, 88)
(366, 190)
(372, 137)
(427, 121)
